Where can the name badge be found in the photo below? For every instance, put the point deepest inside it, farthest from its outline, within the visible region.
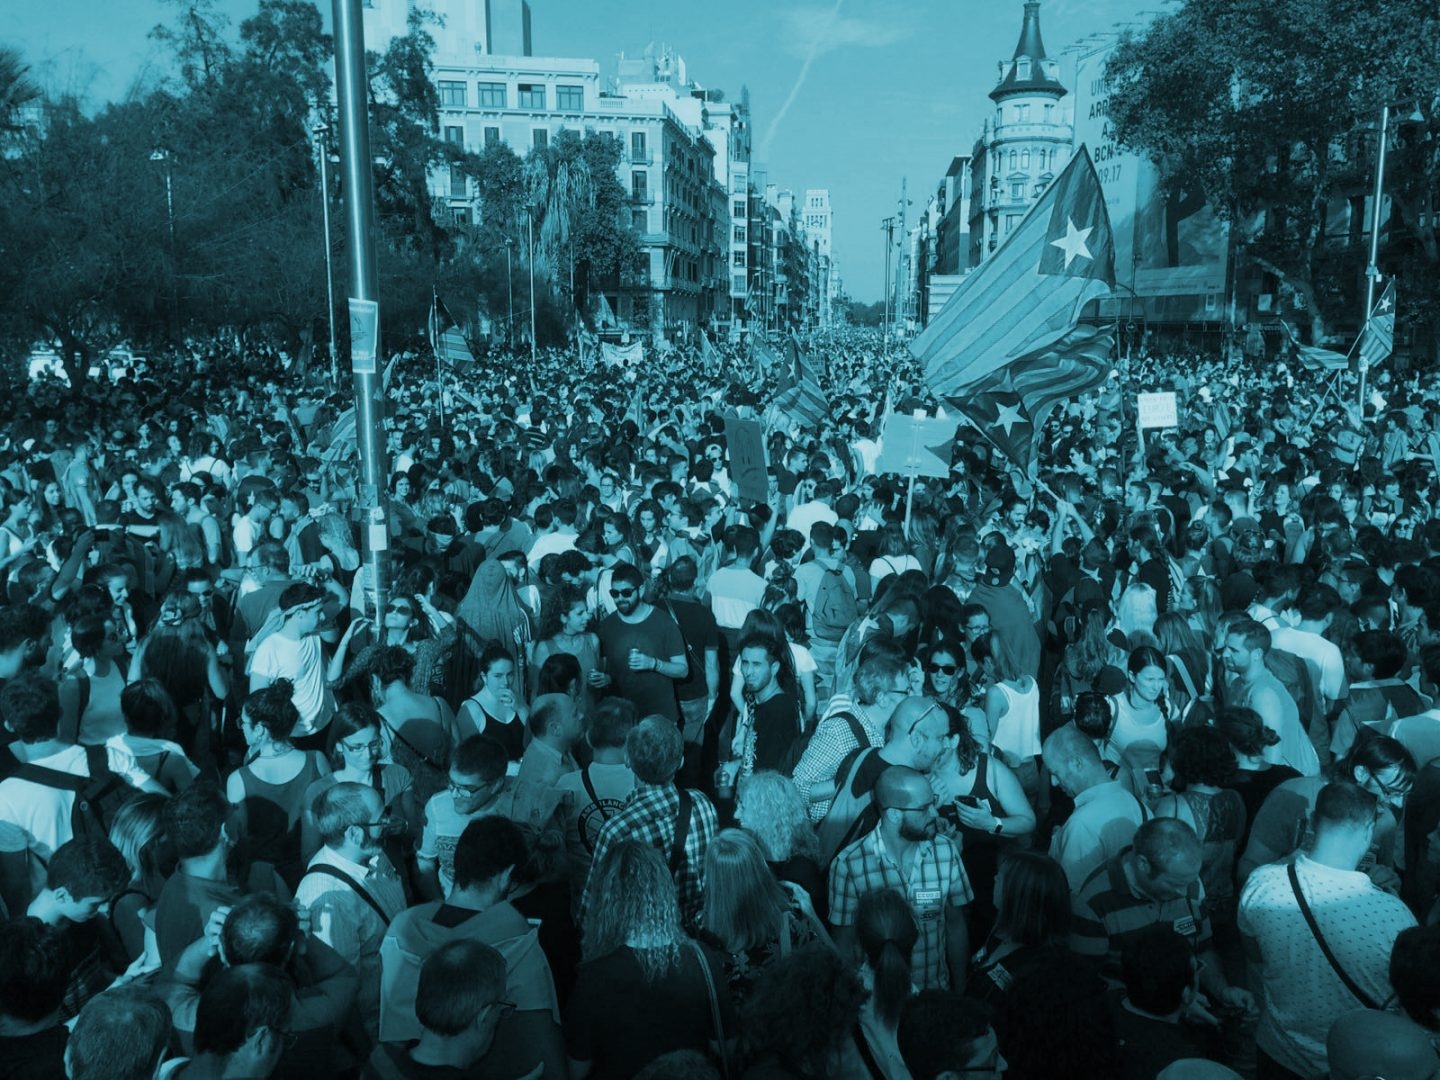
(927, 902)
(1185, 926)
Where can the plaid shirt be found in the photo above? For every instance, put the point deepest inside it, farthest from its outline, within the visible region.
(936, 883)
(651, 816)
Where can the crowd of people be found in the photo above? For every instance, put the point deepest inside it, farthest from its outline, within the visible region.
(1124, 762)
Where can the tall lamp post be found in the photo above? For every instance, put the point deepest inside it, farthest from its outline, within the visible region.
(530, 240)
(1372, 271)
(510, 285)
(888, 225)
(162, 155)
(321, 131)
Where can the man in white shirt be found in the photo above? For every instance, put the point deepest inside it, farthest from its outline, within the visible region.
(819, 507)
(350, 888)
(1315, 609)
(38, 799)
(555, 531)
(1106, 813)
(292, 651)
(1305, 990)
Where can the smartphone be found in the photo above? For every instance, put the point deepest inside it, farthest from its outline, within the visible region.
(968, 800)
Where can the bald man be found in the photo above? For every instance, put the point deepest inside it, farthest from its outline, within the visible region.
(1106, 812)
(555, 727)
(906, 853)
(1368, 1043)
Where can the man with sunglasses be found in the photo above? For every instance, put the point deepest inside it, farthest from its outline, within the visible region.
(350, 888)
(907, 853)
(642, 652)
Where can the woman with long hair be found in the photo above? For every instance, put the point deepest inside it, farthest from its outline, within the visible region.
(1085, 654)
(894, 555)
(615, 543)
(982, 797)
(641, 990)
(1012, 713)
(748, 916)
(137, 833)
(885, 934)
(564, 622)
(647, 530)
(1187, 664)
(495, 709)
(179, 653)
(1135, 615)
(1249, 738)
(150, 724)
(945, 676)
(270, 787)
(1142, 710)
(1198, 768)
(403, 624)
(1032, 922)
(771, 809)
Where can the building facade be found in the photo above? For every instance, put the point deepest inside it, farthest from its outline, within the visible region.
(1024, 145)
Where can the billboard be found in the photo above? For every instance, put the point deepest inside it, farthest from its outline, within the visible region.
(1165, 245)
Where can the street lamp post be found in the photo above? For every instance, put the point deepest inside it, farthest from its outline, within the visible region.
(1372, 271)
(530, 240)
(163, 155)
(321, 131)
(510, 286)
(888, 225)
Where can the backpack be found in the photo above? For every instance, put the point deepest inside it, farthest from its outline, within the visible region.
(852, 813)
(97, 796)
(835, 606)
(801, 742)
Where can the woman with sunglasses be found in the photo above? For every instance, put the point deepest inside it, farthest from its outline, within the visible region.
(981, 796)
(945, 678)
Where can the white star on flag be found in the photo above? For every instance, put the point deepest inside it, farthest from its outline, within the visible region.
(1073, 242)
(1007, 416)
(1384, 304)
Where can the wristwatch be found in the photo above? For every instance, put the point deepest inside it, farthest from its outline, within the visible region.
(999, 825)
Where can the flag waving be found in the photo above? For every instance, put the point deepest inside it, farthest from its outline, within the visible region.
(446, 337)
(1379, 337)
(1027, 296)
(799, 396)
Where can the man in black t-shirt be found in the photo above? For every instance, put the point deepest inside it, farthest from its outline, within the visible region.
(642, 652)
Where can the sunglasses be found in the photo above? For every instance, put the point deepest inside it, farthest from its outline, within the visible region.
(942, 669)
(403, 609)
(623, 594)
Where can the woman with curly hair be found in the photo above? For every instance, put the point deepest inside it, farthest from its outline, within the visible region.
(644, 988)
(564, 620)
(771, 809)
(1198, 768)
(800, 1019)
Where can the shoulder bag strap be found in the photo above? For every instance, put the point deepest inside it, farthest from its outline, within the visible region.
(355, 887)
(1359, 994)
(682, 831)
(714, 997)
(589, 786)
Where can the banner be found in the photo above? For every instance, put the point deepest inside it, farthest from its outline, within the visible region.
(623, 355)
(745, 441)
(1157, 410)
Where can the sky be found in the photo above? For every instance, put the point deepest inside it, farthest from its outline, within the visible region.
(850, 95)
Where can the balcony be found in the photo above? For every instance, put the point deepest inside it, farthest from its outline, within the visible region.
(641, 198)
(642, 159)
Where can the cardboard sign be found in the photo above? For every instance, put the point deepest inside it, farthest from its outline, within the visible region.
(1157, 411)
(745, 440)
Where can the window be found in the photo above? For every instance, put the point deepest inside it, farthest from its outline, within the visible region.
(737, 259)
(1017, 191)
(492, 136)
(1011, 220)
(639, 185)
(459, 188)
(452, 95)
(570, 98)
(637, 146)
(1025, 160)
(739, 234)
(492, 95)
(1022, 113)
(1049, 114)
(640, 221)
(1014, 160)
(455, 135)
(532, 95)
(540, 138)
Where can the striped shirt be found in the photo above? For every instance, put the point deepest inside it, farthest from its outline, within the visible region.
(1109, 910)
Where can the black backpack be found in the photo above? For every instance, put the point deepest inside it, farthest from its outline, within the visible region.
(792, 756)
(97, 796)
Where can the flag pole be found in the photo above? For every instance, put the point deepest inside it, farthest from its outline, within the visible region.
(435, 348)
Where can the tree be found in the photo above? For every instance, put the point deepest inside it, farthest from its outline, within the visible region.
(1259, 106)
(17, 91)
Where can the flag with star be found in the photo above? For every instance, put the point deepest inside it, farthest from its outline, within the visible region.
(1028, 295)
(1379, 337)
(1010, 406)
(799, 396)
